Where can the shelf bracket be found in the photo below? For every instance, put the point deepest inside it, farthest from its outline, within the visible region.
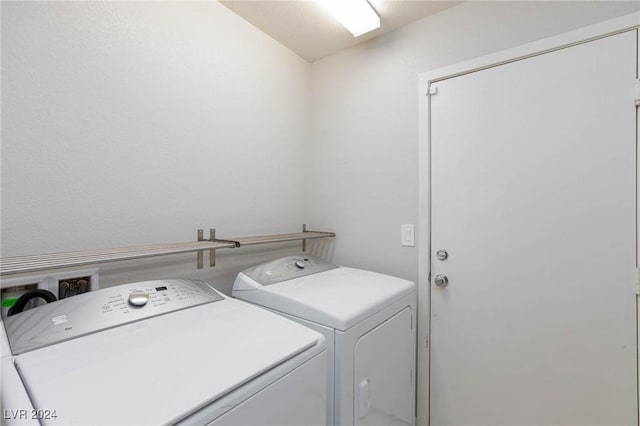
(199, 254)
(212, 252)
(304, 241)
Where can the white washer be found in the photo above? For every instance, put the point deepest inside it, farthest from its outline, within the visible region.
(160, 352)
(369, 321)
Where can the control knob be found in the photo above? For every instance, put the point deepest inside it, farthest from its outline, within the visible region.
(138, 298)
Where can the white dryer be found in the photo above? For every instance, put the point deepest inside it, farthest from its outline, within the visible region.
(369, 321)
(160, 352)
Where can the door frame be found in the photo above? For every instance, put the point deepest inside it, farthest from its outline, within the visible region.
(572, 38)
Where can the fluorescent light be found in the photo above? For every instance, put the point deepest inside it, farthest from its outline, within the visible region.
(356, 15)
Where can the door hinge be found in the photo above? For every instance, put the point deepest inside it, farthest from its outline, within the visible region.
(637, 284)
(411, 322)
(426, 343)
(431, 90)
(637, 96)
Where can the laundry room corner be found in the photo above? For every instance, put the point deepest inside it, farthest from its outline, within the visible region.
(388, 252)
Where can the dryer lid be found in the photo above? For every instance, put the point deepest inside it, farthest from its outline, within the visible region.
(338, 298)
(162, 369)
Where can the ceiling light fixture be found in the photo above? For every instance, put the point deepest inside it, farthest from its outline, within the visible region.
(356, 15)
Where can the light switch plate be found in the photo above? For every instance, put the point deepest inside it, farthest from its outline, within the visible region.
(407, 235)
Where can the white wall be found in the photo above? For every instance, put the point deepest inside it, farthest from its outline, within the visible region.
(363, 172)
(127, 123)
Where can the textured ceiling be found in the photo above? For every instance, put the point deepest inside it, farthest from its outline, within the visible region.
(308, 29)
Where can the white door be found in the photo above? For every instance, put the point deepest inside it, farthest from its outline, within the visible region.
(533, 197)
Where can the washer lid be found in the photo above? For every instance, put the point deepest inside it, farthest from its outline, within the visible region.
(160, 370)
(339, 298)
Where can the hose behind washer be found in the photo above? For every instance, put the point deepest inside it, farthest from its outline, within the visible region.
(31, 294)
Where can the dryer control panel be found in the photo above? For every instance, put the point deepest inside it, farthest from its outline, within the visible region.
(102, 309)
(287, 268)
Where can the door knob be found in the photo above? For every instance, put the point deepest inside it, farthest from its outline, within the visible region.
(441, 280)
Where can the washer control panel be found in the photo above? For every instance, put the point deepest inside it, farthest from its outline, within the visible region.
(287, 268)
(102, 309)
